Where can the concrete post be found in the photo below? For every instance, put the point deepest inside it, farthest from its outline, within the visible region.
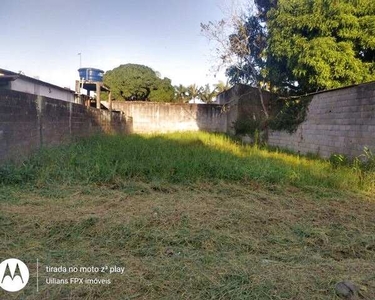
(98, 95)
(110, 102)
(70, 118)
(39, 107)
(78, 87)
(88, 99)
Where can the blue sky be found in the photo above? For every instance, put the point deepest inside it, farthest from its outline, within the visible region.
(43, 37)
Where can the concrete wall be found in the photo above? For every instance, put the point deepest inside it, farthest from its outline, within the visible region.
(152, 117)
(38, 88)
(28, 122)
(247, 100)
(338, 121)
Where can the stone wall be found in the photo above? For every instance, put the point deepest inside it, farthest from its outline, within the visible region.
(153, 117)
(28, 122)
(338, 121)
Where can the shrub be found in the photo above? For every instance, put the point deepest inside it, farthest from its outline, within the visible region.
(291, 114)
(337, 160)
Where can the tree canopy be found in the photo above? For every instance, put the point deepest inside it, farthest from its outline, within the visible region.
(180, 93)
(204, 93)
(241, 51)
(138, 82)
(300, 46)
(321, 44)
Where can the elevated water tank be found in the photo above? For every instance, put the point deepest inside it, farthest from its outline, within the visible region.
(91, 74)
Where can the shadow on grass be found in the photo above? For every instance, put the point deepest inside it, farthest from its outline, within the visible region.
(113, 200)
(179, 158)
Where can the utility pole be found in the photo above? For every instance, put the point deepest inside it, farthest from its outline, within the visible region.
(80, 79)
(80, 59)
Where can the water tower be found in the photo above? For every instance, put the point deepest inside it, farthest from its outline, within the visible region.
(91, 79)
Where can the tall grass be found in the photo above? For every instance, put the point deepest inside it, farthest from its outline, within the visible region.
(127, 201)
(177, 158)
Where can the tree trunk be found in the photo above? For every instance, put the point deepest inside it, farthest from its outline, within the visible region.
(265, 110)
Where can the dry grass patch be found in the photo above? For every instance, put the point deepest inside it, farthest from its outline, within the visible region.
(202, 241)
(190, 216)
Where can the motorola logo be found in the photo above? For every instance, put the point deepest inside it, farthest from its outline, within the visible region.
(14, 275)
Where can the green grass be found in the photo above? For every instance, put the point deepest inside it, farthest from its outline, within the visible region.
(190, 216)
(179, 158)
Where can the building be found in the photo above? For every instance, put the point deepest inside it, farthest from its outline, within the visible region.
(247, 99)
(241, 92)
(22, 83)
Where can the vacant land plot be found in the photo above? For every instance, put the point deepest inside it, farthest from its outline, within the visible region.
(189, 216)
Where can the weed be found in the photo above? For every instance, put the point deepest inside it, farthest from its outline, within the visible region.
(177, 158)
(338, 160)
(189, 216)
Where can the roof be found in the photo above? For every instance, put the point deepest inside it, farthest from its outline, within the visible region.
(91, 86)
(7, 78)
(9, 74)
(92, 69)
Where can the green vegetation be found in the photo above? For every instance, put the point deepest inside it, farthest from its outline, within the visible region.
(138, 82)
(180, 93)
(293, 48)
(322, 44)
(207, 95)
(249, 126)
(193, 91)
(189, 216)
(297, 46)
(291, 114)
(134, 82)
(196, 157)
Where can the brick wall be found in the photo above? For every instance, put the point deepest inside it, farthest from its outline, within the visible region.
(338, 121)
(28, 122)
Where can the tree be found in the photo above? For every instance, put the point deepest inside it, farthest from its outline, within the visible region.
(221, 86)
(193, 91)
(206, 94)
(240, 43)
(298, 46)
(163, 92)
(181, 93)
(138, 82)
(322, 44)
